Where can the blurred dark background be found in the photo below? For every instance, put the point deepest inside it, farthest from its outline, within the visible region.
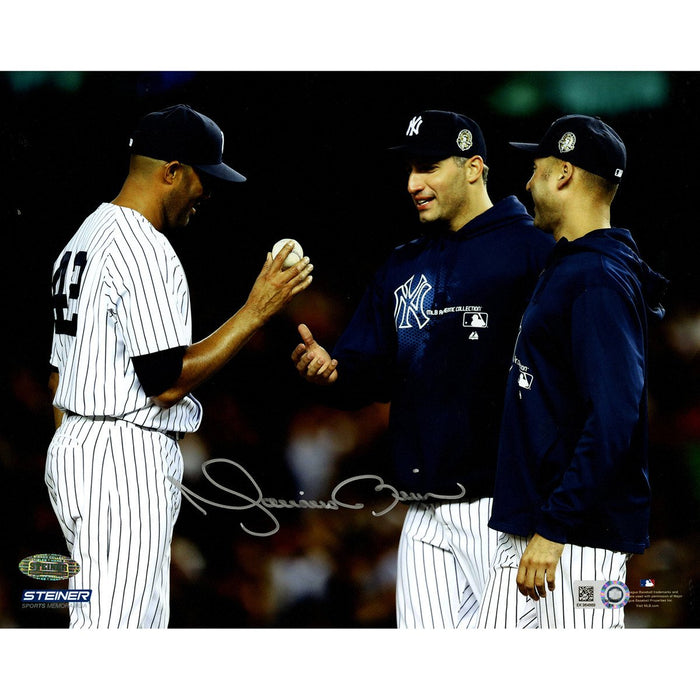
(312, 145)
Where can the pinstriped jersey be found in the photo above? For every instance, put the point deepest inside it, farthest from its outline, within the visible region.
(119, 291)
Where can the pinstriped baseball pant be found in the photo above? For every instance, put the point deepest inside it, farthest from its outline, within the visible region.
(503, 603)
(444, 558)
(108, 487)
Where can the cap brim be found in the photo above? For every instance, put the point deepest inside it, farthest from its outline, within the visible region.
(531, 147)
(222, 172)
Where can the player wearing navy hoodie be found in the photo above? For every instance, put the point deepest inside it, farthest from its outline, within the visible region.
(572, 495)
(434, 335)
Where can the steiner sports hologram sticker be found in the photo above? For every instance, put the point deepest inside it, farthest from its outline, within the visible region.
(49, 567)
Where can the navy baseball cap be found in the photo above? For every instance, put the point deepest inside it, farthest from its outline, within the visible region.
(587, 142)
(180, 133)
(437, 134)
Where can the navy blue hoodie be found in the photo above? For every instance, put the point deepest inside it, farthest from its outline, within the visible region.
(572, 463)
(433, 335)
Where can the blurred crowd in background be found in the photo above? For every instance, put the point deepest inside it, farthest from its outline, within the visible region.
(311, 141)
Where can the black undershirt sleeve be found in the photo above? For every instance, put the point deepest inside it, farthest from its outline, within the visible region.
(159, 370)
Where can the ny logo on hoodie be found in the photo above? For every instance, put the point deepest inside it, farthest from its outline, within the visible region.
(409, 303)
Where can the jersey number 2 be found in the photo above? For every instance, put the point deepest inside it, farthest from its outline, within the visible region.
(59, 296)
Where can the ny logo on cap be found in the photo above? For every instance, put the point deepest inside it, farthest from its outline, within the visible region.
(413, 126)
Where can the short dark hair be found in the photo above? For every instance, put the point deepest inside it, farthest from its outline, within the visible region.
(461, 162)
(606, 187)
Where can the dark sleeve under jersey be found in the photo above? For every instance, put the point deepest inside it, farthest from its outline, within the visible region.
(159, 371)
(366, 352)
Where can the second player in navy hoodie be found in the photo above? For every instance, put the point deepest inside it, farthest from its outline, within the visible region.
(573, 446)
(572, 496)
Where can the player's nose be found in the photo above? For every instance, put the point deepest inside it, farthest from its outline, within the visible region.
(415, 182)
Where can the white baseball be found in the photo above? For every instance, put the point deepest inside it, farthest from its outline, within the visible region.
(294, 257)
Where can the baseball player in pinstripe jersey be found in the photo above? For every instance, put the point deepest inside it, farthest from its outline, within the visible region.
(572, 494)
(433, 334)
(124, 367)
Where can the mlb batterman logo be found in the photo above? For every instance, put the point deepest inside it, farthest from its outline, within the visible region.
(465, 140)
(525, 380)
(567, 142)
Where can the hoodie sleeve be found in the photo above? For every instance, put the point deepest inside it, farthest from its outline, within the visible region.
(607, 341)
(366, 352)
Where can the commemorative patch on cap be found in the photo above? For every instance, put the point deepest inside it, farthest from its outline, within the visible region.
(465, 139)
(567, 142)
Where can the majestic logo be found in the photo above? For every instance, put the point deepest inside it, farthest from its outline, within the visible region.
(567, 142)
(410, 302)
(465, 140)
(414, 126)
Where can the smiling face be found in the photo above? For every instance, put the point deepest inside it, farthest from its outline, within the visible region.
(439, 191)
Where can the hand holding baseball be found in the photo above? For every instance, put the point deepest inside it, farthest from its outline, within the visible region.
(292, 257)
(275, 286)
(312, 360)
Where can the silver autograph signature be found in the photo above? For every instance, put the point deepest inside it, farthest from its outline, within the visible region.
(264, 504)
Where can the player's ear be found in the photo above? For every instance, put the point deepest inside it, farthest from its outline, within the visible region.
(564, 173)
(475, 168)
(171, 171)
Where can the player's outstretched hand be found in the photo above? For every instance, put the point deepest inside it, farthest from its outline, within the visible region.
(274, 288)
(538, 563)
(313, 361)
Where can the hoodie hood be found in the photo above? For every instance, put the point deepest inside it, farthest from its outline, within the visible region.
(617, 244)
(509, 211)
(506, 212)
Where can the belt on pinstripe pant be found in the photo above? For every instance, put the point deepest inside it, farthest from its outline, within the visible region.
(172, 434)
